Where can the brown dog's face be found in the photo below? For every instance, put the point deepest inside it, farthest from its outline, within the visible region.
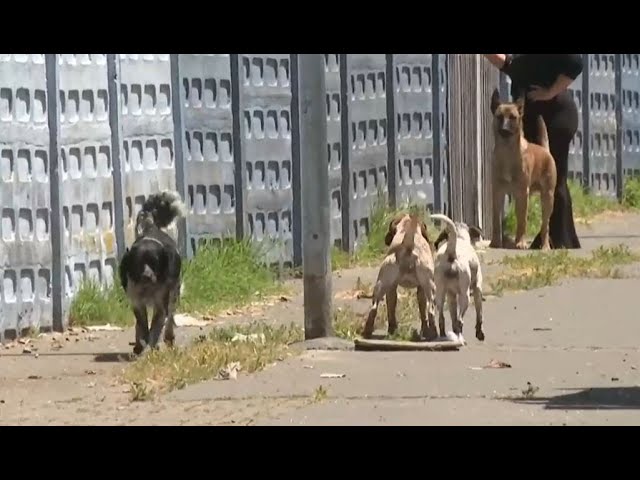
(507, 117)
(393, 228)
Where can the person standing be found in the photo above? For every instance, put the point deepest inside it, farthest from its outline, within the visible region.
(545, 79)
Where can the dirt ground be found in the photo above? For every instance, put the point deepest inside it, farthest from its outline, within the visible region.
(73, 378)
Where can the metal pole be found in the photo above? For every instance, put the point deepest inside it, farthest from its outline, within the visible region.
(316, 227)
(619, 129)
(178, 136)
(114, 82)
(57, 228)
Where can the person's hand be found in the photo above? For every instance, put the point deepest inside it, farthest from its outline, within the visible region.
(539, 93)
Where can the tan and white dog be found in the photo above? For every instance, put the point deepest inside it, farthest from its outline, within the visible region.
(458, 276)
(409, 264)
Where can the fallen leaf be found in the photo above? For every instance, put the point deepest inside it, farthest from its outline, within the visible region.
(541, 329)
(90, 372)
(91, 384)
(104, 328)
(615, 379)
(34, 377)
(310, 367)
(24, 341)
(497, 364)
(26, 350)
(333, 375)
(284, 299)
(633, 367)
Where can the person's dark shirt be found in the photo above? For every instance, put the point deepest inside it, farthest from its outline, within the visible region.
(526, 70)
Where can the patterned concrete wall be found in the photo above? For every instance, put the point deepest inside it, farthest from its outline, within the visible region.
(208, 147)
(86, 176)
(414, 128)
(334, 144)
(25, 244)
(148, 160)
(602, 124)
(631, 113)
(368, 130)
(266, 132)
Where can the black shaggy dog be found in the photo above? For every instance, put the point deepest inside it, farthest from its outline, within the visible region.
(150, 270)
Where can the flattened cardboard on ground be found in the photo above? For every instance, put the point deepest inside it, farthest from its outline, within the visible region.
(375, 345)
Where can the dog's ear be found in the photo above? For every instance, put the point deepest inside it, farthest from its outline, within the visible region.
(495, 101)
(475, 233)
(391, 231)
(520, 104)
(443, 237)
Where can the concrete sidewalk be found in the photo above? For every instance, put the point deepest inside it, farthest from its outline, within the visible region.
(576, 343)
(573, 351)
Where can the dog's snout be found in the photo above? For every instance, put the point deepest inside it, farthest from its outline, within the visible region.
(148, 274)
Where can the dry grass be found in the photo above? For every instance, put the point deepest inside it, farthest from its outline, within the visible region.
(252, 346)
(348, 323)
(539, 269)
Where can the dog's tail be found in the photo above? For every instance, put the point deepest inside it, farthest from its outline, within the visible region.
(408, 241)
(542, 133)
(165, 207)
(452, 237)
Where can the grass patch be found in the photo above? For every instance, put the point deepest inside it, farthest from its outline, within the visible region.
(252, 346)
(631, 193)
(216, 278)
(585, 207)
(227, 275)
(95, 304)
(538, 269)
(370, 250)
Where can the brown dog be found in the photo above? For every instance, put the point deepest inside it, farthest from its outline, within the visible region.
(520, 168)
(409, 264)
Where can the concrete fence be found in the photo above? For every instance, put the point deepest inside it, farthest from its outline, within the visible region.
(84, 138)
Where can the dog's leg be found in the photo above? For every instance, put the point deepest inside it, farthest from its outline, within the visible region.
(440, 296)
(427, 323)
(547, 209)
(463, 305)
(431, 301)
(522, 205)
(378, 294)
(392, 303)
(158, 321)
(169, 334)
(452, 301)
(142, 329)
(477, 299)
(498, 212)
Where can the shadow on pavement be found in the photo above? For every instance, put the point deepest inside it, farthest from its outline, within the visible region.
(601, 398)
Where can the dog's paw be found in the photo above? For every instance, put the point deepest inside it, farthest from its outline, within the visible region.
(522, 245)
(137, 349)
(495, 244)
(480, 335)
(451, 336)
